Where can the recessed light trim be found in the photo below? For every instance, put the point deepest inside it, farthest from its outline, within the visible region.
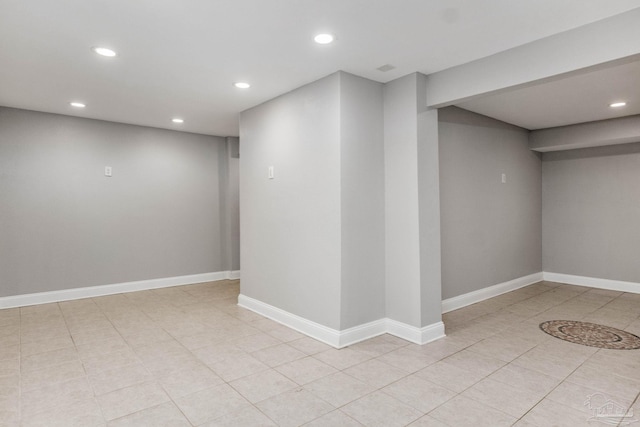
(323, 38)
(242, 85)
(617, 104)
(177, 120)
(77, 104)
(104, 51)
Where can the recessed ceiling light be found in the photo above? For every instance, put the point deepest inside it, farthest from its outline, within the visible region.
(103, 51)
(618, 104)
(77, 104)
(242, 85)
(323, 38)
(177, 120)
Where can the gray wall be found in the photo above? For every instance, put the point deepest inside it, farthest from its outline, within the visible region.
(491, 232)
(402, 220)
(591, 207)
(362, 200)
(313, 237)
(290, 226)
(65, 225)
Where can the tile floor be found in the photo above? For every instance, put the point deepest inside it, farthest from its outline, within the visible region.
(189, 356)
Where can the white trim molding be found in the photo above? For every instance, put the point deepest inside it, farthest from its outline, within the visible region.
(593, 282)
(464, 300)
(233, 275)
(346, 337)
(416, 335)
(117, 288)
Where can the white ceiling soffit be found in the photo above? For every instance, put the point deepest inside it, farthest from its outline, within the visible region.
(182, 58)
(576, 99)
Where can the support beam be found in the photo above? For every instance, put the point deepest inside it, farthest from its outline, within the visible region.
(593, 134)
(611, 40)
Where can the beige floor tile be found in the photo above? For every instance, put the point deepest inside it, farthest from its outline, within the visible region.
(9, 418)
(217, 341)
(546, 362)
(408, 360)
(418, 393)
(234, 368)
(622, 363)
(112, 345)
(379, 345)
(339, 389)
(441, 348)
(100, 362)
(164, 415)
(472, 361)
(343, 358)
(575, 396)
(246, 417)
(376, 373)
(9, 386)
(606, 382)
(213, 354)
(525, 379)
(54, 396)
(263, 385)
(256, 342)
(10, 367)
(29, 348)
(462, 412)
(306, 370)
(9, 352)
(450, 376)
(212, 403)
(309, 345)
(505, 398)
(189, 380)
(10, 336)
(86, 336)
(131, 399)
(294, 408)
(50, 358)
(110, 380)
(427, 421)
(50, 375)
(335, 418)
(85, 413)
(278, 355)
(549, 412)
(284, 334)
(503, 347)
(380, 409)
(146, 337)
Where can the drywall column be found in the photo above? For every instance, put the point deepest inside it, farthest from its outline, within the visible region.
(429, 209)
(412, 209)
(290, 224)
(362, 200)
(230, 205)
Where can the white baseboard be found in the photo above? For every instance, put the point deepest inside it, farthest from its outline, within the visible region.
(416, 335)
(102, 290)
(233, 275)
(464, 300)
(593, 282)
(346, 337)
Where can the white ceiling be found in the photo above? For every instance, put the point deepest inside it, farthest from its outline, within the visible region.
(181, 58)
(576, 99)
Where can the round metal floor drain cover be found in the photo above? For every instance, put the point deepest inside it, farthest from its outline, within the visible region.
(591, 334)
